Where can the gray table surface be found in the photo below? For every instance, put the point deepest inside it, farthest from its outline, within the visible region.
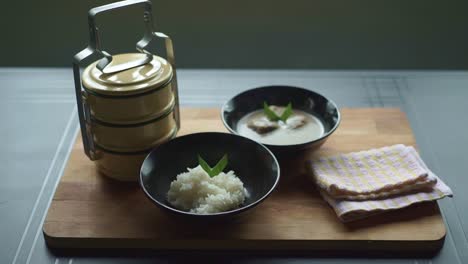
(39, 124)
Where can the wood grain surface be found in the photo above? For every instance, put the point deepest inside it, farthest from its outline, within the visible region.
(91, 211)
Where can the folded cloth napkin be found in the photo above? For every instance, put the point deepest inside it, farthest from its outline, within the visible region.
(413, 182)
(372, 174)
(348, 210)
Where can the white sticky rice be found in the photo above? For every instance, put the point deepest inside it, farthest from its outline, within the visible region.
(197, 192)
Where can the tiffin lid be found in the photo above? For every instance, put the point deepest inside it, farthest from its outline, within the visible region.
(152, 75)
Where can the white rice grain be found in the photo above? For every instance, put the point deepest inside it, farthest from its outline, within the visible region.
(197, 192)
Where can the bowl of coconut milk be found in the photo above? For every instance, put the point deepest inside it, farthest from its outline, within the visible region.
(283, 118)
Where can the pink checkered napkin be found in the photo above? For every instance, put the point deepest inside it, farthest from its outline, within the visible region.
(350, 210)
(371, 174)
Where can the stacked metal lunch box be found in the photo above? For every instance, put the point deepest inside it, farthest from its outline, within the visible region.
(128, 103)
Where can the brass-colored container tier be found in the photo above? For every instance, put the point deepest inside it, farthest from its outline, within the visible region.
(124, 166)
(144, 108)
(135, 137)
(132, 96)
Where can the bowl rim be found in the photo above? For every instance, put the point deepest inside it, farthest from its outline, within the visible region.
(299, 145)
(225, 213)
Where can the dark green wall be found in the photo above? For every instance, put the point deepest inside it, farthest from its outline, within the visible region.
(319, 34)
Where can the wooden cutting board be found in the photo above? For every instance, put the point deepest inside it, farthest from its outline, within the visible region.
(92, 211)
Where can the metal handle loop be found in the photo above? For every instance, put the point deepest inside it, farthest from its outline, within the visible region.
(171, 59)
(95, 42)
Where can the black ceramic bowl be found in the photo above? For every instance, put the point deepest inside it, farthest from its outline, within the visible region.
(254, 164)
(302, 99)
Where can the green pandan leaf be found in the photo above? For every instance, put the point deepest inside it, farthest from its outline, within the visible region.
(287, 112)
(204, 165)
(269, 113)
(217, 169)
